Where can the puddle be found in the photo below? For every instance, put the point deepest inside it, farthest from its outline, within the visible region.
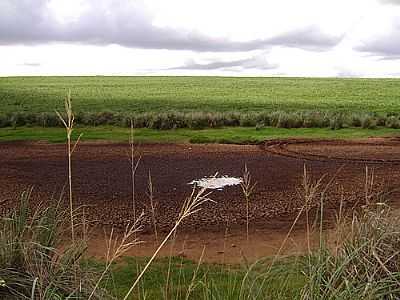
(216, 183)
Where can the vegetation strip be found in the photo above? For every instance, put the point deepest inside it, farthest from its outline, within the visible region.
(239, 135)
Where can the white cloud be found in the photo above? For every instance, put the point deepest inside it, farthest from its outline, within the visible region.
(254, 62)
(252, 37)
(128, 23)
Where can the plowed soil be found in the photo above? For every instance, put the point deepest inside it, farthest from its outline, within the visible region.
(102, 180)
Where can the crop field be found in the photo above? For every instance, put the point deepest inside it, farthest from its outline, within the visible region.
(200, 94)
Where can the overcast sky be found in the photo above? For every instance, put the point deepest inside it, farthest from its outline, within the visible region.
(346, 38)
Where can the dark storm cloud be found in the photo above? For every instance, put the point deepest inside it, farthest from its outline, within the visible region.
(130, 25)
(256, 62)
(386, 45)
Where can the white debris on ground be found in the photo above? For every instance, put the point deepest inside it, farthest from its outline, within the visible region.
(216, 183)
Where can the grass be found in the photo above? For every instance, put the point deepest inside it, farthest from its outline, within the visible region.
(213, 281)
(31, 263)
(223, 135)
(365, 265)
(208, 94)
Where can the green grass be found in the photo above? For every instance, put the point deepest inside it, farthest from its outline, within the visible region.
(212, 281)
(209, 94)
(223, 135)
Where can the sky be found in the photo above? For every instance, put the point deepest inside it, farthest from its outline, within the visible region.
(313, 38)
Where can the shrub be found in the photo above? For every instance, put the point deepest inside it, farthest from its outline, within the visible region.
(28, 119)
(232, 119)
(105, 118)
(197, 120)
(380, 120)
(248, 120)
(368, 122)
(139, 121)
(289, 120)
(169, 121)
(315, 120)
(336, 122)
(392, 122)
(17, 119)
(5, 120)
(355, 120)
(47, 120)
(274, 119)
(179, 120)
(264, 118)
(85, 118)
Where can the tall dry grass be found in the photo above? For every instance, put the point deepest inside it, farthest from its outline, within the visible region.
(364, 262)
(118, 246)
(247, 188)
(134, 161)
(68, 122)
(153, 204)
(35, 261)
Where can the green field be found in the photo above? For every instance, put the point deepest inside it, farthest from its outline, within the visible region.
(208, 94)
(238, 135)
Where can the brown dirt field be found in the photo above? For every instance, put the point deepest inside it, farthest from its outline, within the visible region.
(102, 182)
(371, 151)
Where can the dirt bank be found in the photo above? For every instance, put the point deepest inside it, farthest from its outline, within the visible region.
(102, 182)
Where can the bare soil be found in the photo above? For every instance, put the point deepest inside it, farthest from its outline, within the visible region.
(102, 182)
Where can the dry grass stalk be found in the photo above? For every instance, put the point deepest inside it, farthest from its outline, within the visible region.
(191, 205)
(310, 190)
(225, 240)
(117, 247)
(372, 197)
(247, 189)
(309, 193)
(192, 284)
(68, 123)
(369, 185)
(134, 166)
(339, 223)
(150, 194)
(181, 254)
(168, 276)
(364, 264)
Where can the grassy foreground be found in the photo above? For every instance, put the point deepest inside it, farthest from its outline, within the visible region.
(223, 135)
(200, 94)
(212, 281)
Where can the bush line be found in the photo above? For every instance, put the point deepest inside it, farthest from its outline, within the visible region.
(200, 120)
